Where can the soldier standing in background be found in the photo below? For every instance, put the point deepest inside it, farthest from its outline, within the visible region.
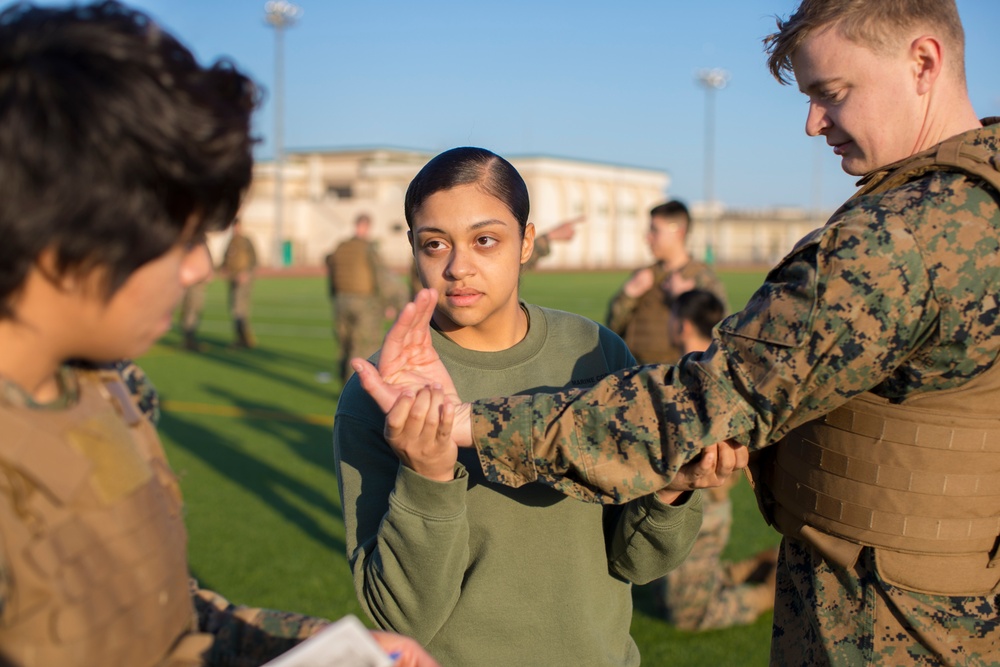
(640, 311)
(703, 592)
(239, 263)
(361, 289)
(191, 306)
(864, 372)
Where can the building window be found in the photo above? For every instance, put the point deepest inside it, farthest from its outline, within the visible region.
(339, 191)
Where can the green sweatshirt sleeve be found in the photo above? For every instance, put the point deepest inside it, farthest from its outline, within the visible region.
(407, 536)
(650, 538)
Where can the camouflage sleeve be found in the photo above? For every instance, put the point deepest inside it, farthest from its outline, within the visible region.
(248, 636)
(147, 399)
(649, 538)
(835, 318)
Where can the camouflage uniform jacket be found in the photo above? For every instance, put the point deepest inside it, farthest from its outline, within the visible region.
(854, 307)
(896, 295)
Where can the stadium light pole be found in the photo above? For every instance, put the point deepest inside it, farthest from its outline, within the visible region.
(711, 80)
(280, 14)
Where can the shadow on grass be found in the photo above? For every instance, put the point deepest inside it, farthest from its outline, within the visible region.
(261, 359)
(261, 479)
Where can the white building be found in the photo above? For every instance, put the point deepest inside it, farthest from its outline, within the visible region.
(324, 191)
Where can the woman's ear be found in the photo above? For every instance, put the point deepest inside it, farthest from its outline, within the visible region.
(528, 242)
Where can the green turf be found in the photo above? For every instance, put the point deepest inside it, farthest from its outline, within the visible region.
(263, 511)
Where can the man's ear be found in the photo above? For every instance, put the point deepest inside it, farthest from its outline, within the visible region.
(927, 56)
(528, 242)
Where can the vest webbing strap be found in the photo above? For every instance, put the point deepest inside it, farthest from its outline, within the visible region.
(879, 478)
(791, 491)
(950, 155)
(972, 434)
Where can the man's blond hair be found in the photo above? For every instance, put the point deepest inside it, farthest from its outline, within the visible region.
(875, 24)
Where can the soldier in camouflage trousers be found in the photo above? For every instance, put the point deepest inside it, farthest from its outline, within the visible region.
(361, 290)
(863, 374)
(239, 263)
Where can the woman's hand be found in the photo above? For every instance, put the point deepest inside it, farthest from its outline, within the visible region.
(418, 428)
(408, 360)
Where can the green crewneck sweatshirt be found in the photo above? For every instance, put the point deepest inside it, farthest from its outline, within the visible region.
(486, 575)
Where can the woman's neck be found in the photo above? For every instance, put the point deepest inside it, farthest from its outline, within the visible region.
(494, 334)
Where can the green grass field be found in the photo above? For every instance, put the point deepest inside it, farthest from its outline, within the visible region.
(248, 433)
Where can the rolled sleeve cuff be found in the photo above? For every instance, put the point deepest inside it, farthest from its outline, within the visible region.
(502, 435)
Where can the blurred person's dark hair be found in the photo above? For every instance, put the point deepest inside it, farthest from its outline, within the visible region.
(112, 138)
(701, 308)
(672, 209)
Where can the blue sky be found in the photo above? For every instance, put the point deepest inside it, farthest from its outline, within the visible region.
(612, 82)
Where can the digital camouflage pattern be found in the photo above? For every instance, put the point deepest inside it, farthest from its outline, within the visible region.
(704, 592)
(245, 635)
(143, 393)
(896, 295)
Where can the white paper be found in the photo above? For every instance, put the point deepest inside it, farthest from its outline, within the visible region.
(345, 643)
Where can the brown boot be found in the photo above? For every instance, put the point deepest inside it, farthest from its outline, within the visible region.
(190, 343)
(244, 337)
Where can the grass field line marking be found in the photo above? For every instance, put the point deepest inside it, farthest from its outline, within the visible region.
(234, 411)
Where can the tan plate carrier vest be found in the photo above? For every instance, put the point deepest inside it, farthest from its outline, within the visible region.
(94, 546)
(919, 481)
(350, 268)
(647, 334)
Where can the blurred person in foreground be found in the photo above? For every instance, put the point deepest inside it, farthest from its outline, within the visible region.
(118, 151)
(640, 312)
(863, 373)
(704, 592)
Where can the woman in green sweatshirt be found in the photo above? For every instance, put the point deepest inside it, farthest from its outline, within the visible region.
(479, 573)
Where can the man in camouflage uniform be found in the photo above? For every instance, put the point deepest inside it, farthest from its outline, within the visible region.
(869, 357)
(93, 563)
(239, 262)
(640, 311)
(361, 289)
